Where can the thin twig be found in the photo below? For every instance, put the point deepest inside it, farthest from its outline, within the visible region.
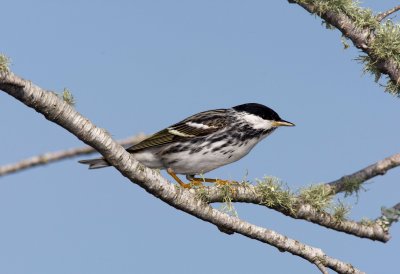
(389, 216)
(352, 181)
(385, 14)
(64, 115)
(51, 157)
(321, 267)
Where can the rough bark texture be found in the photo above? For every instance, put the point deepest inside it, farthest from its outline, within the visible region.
(387, 13)
(357, 178)
(248, 194)
(64, 115)
(361, 37)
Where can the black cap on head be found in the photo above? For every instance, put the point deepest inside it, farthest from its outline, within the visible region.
(260, 110)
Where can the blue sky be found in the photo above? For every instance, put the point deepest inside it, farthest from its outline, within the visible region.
(139, 66)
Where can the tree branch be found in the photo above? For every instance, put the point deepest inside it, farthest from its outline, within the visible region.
(244, 194)
(385, 14)
(51, 157)
(64, 115)
(352, 182)
(321, 267)
(299, 210)
(362, 37)
(389, 216)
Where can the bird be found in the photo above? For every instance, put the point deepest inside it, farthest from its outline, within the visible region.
(204, 141)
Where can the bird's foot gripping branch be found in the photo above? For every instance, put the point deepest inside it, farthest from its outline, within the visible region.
(56, 110)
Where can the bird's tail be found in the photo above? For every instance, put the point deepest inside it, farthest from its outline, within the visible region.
(95, 163)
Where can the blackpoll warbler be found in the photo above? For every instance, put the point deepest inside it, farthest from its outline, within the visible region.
(204, 141)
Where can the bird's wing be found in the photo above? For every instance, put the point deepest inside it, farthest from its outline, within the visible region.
(201, 124)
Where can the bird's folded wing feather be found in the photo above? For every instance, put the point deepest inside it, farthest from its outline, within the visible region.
(200, 124)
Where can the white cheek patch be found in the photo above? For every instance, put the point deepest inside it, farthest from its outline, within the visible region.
(198, 125)
(256, 121)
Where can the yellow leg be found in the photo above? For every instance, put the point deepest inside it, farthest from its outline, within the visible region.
(197, 181)
(179, 181)
(216, 181)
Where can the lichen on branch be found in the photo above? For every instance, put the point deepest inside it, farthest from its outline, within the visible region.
(4, 63)
(379, 41)
(58, 111)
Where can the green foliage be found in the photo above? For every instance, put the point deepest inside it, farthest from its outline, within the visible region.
(4, 63)
(352, 186)
(318, 196)
(367, 222)
(245, 181)
(68, 97)
(340, 211)
(201, 194)
(274, 193)
(390, 215)
(227, 206)
(361, 17)
(327, 25)
(386, 36)
(393, 88)
(384, 223)
(386, 43)
(369, 66)
(344, 42)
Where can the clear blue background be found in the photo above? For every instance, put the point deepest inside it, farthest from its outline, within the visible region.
(138, 66)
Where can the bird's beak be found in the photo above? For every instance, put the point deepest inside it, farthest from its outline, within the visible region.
(282, 123)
